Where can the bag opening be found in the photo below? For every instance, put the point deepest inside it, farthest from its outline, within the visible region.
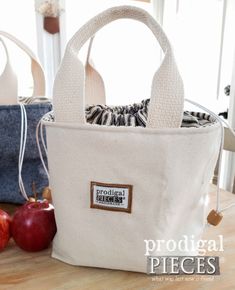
(135, 115)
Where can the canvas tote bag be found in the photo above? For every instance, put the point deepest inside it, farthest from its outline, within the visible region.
(10, 127)
(114, 187)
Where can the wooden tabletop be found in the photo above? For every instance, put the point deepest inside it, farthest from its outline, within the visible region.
(20, 270)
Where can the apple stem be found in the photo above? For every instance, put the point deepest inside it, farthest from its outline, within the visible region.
(34, 191)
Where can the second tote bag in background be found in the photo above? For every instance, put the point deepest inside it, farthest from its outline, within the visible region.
(113, 187)
(10, 128)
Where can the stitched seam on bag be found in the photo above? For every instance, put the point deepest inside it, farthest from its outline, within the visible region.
(34, 106)
(135, 130)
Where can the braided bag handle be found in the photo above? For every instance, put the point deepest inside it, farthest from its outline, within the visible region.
(167, 94)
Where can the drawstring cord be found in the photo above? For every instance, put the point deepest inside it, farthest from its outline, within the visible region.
(221, 121)
(39, 130)
(23, 138)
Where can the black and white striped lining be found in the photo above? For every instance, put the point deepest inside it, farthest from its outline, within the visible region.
(33, 100)
(135, 115)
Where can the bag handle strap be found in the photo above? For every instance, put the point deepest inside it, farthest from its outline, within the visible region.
(36, 69)
(94, 84)
(8, 81)
(167, 95)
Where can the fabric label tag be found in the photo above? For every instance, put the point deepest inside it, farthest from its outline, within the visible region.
(115, 197)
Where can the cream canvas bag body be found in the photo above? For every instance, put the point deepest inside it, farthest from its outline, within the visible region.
(114, 187)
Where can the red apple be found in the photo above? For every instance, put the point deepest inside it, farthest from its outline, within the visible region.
(5, 222)
(33, 226)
